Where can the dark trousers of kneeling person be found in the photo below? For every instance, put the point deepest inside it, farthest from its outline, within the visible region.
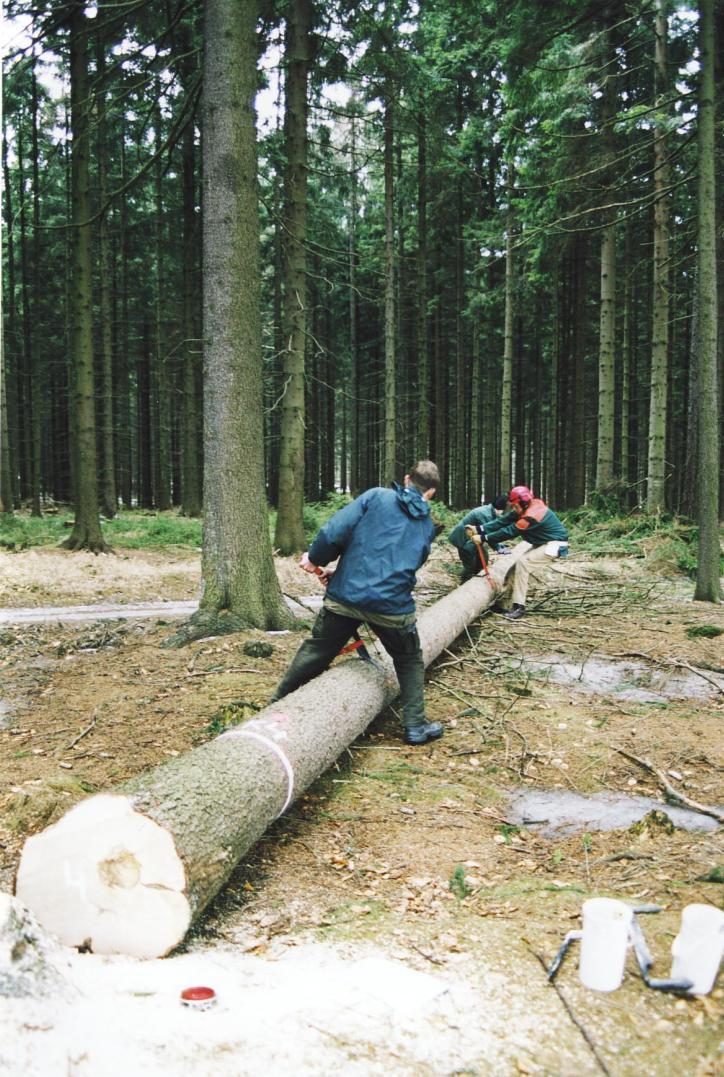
(398, 635)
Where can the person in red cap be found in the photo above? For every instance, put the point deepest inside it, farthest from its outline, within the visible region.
(544, 539)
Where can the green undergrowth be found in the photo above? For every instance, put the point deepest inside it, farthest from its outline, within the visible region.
(135, 530)
(668, 542)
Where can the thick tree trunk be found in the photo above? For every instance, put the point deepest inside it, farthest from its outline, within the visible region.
(240, 587)
(129, 871)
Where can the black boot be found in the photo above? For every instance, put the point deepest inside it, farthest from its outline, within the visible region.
(515, 612)
(421, 734)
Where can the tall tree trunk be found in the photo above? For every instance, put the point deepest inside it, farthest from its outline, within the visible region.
(25, 352)
(161, 427)
(190, 456)
(124, 445)
(274, 422)
(719, 211)
(354, 359)
(461, 427)
(423, 359)
(38, 372)
(389, 464)
(240, 588)
(551, 490)
(708, 587)
(506, 394)
(289, 534)
(574, 450)
(108, 495)
(9, 343)
(655, 486)
(86, 533)
(625, 404)
(605, 435)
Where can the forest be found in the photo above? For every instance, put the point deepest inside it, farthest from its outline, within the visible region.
(488, 234)
(260, 256)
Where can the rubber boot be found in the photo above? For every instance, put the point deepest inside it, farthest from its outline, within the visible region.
(515, 612)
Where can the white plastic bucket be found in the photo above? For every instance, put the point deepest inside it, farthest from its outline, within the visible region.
(605, 939)
(698, 948)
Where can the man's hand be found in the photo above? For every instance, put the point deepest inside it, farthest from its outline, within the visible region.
(308, 566)
(476, 533)
(324, 574)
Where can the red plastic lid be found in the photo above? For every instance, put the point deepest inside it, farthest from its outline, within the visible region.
(198, 994)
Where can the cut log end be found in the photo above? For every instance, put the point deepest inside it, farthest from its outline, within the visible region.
(107, 879)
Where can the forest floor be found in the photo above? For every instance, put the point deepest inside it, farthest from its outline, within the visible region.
(397, 919)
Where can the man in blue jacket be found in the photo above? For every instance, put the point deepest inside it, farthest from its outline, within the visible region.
(381, 539)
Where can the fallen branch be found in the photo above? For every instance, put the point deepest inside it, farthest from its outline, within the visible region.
(677, 663)
(566, 1005)
(82, 734)
(672, 794)
(698, 672)
(214, 672)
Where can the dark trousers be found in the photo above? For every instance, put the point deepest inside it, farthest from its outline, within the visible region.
(331, 631)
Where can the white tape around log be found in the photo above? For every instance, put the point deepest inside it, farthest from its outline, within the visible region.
(288, 769)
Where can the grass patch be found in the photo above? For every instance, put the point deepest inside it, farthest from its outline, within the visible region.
(704, 632)
(134, 530)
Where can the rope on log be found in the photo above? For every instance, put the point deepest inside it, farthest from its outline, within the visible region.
(129, 871)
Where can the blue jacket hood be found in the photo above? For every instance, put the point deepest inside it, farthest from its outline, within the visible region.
(412, 501)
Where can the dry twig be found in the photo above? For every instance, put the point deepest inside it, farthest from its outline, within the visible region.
(83, 733)
(672, 794)
(566, 1005)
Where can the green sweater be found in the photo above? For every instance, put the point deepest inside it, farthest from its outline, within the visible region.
(466, 548)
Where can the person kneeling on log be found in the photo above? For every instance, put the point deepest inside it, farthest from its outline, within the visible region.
(464, 535)
(545, 538)
(381, 539)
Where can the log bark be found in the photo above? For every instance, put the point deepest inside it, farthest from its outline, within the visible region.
(130, 870)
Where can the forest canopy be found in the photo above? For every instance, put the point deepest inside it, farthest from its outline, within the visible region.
(486, 216)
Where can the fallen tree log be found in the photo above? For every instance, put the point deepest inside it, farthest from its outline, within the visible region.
(129, 871)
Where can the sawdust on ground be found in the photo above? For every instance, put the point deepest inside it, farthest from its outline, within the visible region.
(409, 848)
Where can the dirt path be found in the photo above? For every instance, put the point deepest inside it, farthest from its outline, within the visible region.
(398, 854)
